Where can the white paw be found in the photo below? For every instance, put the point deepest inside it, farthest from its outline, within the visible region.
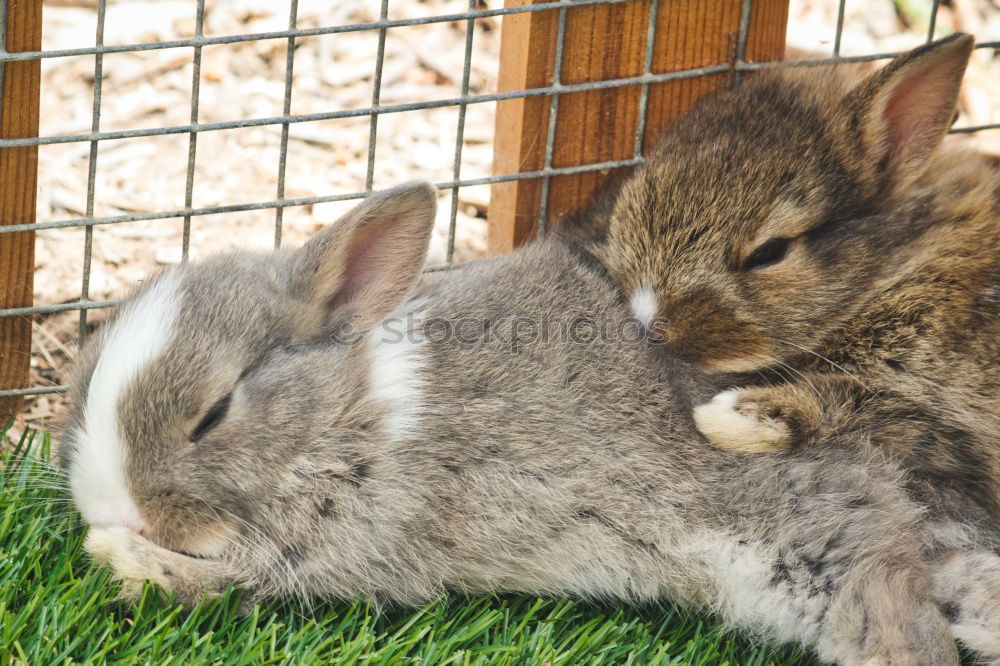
(128, 555)
(729, 424)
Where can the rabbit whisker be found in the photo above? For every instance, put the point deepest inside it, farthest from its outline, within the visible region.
(823, 358)
(819, 395)
(270, 560)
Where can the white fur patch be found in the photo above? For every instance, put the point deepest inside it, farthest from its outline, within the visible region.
(97, 475)
(396, 371)
(729, 425)
(745, 595)
(643, 304)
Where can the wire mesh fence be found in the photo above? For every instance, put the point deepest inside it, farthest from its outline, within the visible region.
(287, 119)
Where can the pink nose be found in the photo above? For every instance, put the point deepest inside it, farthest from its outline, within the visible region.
(132, 521)
(136, 526)
(116, 514)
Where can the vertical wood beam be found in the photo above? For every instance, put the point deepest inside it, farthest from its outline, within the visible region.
(605, 42)
(527, 46)
(18, 189)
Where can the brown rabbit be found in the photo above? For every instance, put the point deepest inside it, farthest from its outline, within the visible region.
(814, 233)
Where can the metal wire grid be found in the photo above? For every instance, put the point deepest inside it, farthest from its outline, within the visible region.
(279, 203)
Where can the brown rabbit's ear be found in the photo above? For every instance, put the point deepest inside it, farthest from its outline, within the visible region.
(365, 264)
(903, 111)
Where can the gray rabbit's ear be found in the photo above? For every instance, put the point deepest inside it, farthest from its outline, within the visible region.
(364, 265)
(903, 111)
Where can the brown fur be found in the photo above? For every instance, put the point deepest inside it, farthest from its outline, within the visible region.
(883, 317)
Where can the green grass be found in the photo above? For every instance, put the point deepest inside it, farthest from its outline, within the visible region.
(56, 608)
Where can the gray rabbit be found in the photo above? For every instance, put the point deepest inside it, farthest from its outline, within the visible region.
(314, 422)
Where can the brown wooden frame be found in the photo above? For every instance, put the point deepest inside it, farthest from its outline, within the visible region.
(18, 190)
(604, 42)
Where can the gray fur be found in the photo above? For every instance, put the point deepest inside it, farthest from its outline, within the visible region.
(546, 465)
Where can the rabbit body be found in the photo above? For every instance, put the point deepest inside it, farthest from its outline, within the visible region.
(501, 428)
(808, 237)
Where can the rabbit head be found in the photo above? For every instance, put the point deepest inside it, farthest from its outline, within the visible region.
(163, 440)
(769, 213)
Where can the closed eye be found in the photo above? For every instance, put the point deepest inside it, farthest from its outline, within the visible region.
(212, 418)
(770, 252)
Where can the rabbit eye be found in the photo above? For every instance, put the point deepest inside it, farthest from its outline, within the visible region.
(771, 252)
(212, 418)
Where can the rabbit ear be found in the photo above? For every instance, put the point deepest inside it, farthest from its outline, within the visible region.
(365, 264)
(903, 111)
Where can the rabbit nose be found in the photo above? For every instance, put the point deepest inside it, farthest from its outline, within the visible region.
(116, 514)
(133, 522)
(138, 528)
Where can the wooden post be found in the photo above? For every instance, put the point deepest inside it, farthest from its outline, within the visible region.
(605, 42)
(18, 189)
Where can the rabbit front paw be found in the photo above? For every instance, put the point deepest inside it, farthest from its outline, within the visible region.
(744, 420)
(130, 556)
(135, 559)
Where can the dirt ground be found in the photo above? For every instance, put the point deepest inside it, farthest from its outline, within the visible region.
(247, 80)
